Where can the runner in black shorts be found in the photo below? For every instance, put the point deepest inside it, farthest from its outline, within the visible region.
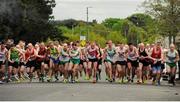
(100, 62)
(132, 61)
(83, 62)
(93, 55)
(30, 58)
(3, 53)
(143, 64)
(13, 58)
(121, 62)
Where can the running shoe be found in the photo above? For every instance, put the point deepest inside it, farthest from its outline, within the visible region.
(49, 79)
(110, 80)
(132, 80)
(153, 82)
(113, 79)
(73, 81)
(9, 80)
(16, 78)
(1, 82)
(94, 80)
(119, 81)
(144, 82)
(173, 83)
(21, 79)
(138, 82)
(85, 78)
(125, 81)
(27, 77)
(65, 81)
(158, 83)
(107, 78)
(76, 80)
(56, 77)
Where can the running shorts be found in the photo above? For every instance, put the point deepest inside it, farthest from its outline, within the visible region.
(14, 65)
(31, 63)
(144, 62)
(121, 62)
(133, 63)
(93, 60)
(75, 61)
(171, 65)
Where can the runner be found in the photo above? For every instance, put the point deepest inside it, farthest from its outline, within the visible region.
(3, 53)
(83, 63)
(64, 61)
(21, 67)
(100, 62)
(143, 64)
(172, 58)
(132, 62)
(149, 70)
(157, 57)
(30, 59)
(13, 58)
(41, 64)
(74, 62)
(54, 61)
(110, 51)
(121, 62)
(93, 56)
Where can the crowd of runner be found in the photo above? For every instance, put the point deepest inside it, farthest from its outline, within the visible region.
(124, 63)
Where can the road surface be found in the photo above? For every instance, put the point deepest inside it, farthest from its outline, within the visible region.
(85, 91)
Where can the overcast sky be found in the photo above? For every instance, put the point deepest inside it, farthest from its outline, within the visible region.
(101, 9)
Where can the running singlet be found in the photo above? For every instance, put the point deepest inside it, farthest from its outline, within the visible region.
(110, 54)
(42, 52)
(132, 55)
(92, 53)
(64, 56)
(156, 54)
(14, 56)
(121, 54)
(54, 53)
(171, 56)
(28, 54)
(75, 52)
(3, 55)
(143, 53)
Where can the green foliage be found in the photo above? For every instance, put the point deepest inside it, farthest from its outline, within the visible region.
(109, 22)
(115, 29)
(97, 38)
(116, 37)
(72, 37)
(32, 21)
(167, 14)
(28, 20)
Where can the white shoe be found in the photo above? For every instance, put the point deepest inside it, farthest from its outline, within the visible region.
(1, 82)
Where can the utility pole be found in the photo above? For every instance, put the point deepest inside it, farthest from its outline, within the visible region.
(87, 22)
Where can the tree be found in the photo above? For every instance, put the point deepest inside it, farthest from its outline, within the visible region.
(116, 37)
(167, 13)
(109, 22)
(28, 20)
